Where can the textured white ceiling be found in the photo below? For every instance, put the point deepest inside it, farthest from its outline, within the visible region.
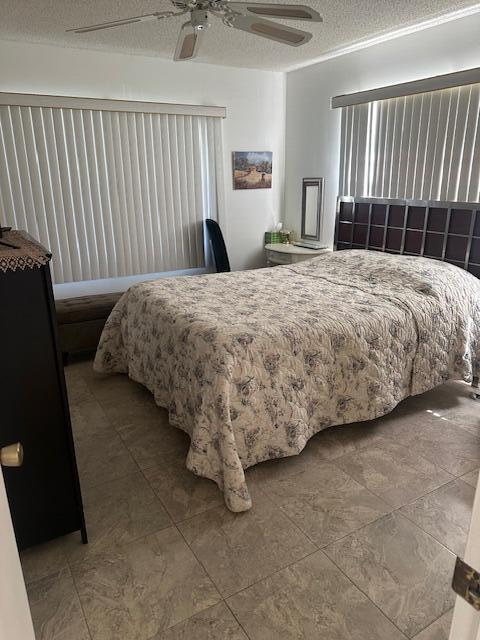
(345, 21)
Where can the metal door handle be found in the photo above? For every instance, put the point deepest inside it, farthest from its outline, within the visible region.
(12, 456)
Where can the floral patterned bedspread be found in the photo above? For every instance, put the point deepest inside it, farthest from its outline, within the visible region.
(252, 364)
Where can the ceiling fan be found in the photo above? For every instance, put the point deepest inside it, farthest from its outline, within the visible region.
(239, 15)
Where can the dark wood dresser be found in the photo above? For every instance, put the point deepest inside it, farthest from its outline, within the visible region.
(44, 492)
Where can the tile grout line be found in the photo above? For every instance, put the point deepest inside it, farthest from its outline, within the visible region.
(451, 479)
(399, 510)
(45, 576)
(88, 487)
(222, 599)
(139, 469)
(317, 548)
(356, 531)
(296, 525)
(322, 551)
(225, 599)
(256, 581)
(79, 600)
(321, 547)
(49, 576)
(270, 575)
(360, 589)
(366, 596)
(332, 460)
(427, 533)
(164, 505)
(423, 495)
(238, 621)
(212, 606)
(378, 443)
(174, 524)
(433, 622)
(387, 437)
(126, 544)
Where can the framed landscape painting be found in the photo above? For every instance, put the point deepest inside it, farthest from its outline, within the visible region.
(252, 169)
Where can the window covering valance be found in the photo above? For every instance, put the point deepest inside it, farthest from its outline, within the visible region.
(435, 83)
(103, 104)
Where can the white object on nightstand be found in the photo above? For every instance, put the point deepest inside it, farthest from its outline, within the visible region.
(279, 253)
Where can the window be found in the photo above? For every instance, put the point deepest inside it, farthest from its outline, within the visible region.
(111, 188)
(424, 146)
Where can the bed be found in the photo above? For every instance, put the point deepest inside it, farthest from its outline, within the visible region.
(252, 364)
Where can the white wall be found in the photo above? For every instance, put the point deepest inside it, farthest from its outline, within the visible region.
(255, 102)
(313, 129)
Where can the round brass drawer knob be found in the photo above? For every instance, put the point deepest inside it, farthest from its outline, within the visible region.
(11, 456)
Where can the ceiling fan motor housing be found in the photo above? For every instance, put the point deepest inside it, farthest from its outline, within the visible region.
(199, 19)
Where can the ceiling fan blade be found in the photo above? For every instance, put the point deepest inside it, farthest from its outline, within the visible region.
(285, 11)
(120, 23)
(188, 42)
(270, 30)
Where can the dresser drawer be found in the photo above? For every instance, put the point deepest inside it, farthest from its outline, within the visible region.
(275, 257)
(289, 254)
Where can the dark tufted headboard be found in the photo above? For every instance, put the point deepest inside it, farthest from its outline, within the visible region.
(447, 231)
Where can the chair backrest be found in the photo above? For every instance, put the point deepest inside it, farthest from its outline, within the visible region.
(220, 254)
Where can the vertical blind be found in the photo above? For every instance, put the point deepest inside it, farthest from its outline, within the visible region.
(424, 146)
(110, 193)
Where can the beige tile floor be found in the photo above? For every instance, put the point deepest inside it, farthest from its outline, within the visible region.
(354, 538)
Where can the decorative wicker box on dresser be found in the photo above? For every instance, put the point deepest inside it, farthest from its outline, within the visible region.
(44, 492)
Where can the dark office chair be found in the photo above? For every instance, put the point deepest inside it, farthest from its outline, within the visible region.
(219, 249)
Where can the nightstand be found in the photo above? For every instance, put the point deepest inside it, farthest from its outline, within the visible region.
(289, 253)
